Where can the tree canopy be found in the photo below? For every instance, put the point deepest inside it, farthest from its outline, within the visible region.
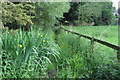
(16, 15)
(87, 12)
(47, 14)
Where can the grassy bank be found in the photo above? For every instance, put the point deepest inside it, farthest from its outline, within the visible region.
(81, 62)
(42, 54)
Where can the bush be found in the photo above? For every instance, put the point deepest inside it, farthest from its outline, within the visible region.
(18, 15)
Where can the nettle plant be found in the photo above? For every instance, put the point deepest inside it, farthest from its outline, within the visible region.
(27, 54)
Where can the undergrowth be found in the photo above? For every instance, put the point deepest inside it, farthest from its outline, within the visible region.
(43, 54)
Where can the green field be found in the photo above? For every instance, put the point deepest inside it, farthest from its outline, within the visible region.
(105, 33)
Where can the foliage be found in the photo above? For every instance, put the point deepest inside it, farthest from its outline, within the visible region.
(47, 13)
(88, 12)
(45, 54)
(24, 14)
(77, 61)
(27, 54)
(107, 17)
(18, 15)
(36, 54)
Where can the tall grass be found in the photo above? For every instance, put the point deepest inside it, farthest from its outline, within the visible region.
(38, 54)
(77, 60)
(106, 33)
(27, 54)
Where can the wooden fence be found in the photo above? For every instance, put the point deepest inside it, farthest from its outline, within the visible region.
(117, 48)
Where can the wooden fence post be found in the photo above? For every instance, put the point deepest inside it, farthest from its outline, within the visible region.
(92, 44)
(68, 32)
(118, 54)
(79, 36)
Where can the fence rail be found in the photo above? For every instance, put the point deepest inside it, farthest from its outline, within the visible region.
(113, 46)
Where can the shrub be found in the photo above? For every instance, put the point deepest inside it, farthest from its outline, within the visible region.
(18, 15)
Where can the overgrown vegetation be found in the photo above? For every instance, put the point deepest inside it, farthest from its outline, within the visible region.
(27, 54)
(35, 54)
(79, 62)
(34, 48)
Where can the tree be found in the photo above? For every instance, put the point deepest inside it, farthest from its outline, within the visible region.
(47, 13)
(106, 17)
(88, 12)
